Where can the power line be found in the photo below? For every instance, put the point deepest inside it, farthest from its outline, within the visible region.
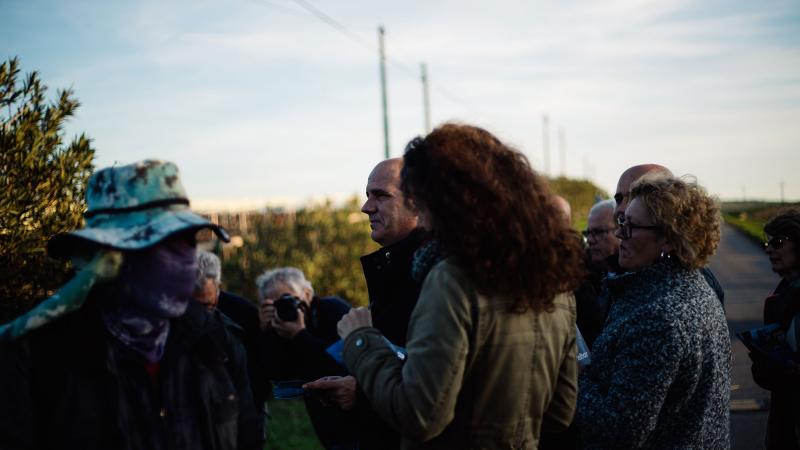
(279, 7)
(327, 19)
(335, 24)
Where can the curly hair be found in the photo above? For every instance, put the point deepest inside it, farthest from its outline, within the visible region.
(689, 218)
(786, 223)
(493, 214)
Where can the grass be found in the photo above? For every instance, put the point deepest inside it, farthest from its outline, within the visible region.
(750, 217)
(290, 427)
(752, 228)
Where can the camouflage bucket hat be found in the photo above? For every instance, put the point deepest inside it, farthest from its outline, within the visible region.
(133, 207)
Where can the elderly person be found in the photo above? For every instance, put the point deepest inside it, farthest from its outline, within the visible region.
(660, 372)
(299, 326)
(782, 308)
(601, 248)
(602, 244)
(491, 342)
(623, 196)
(208, 280)
(120, 357)
(240, 317)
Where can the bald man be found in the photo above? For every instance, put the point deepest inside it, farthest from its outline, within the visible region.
(565, 209)
(622, 196)
(392, 292)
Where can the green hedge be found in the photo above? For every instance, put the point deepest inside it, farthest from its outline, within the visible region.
(753, 229)
(750, 217)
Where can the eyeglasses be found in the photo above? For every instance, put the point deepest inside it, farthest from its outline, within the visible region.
(625, 228)
(776, 242)
(595, 232)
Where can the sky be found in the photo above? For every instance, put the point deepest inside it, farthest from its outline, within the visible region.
(278, 102)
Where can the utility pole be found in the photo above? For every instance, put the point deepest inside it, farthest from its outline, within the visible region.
(383, 93)
(586, 167)
(426, 102)
(782, 201)
(546, 143)
(562, 147)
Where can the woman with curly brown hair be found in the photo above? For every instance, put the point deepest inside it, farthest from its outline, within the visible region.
(491, 343)
(660, 372)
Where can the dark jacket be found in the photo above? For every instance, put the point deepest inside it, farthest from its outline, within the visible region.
(660, 372)
(244, 314)
(784, 409)
(393, 294)
(305, 358)
(70, 385)
(591, 314)
(714, 284)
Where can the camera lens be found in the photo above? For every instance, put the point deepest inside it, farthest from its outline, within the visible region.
(286, 307)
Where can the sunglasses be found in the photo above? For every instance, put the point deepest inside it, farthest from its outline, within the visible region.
(776, 242)
(626, 228)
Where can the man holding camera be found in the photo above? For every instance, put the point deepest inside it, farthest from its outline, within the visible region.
(298, 328)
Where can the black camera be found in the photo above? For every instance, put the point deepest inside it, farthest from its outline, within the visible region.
(286, 307)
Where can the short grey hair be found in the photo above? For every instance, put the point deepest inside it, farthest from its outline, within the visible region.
(290, 276)
(609, 204)
(208, 266)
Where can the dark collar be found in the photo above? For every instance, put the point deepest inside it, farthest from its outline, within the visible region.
(613, 262)
(196, 323)
(402, 249)
(787, 284)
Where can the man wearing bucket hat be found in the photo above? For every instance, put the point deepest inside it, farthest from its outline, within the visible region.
(120, 357)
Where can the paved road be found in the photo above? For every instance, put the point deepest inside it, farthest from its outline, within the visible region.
(744, 272)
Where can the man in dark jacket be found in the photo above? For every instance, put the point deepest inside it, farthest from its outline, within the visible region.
(393, 292)
(602, 249)
(241, 318)
(298, 328)
(245, 313)
(120, 357)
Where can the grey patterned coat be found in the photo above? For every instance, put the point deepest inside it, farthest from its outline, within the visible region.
(660, 372)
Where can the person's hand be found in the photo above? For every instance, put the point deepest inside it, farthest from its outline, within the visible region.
(339, 391)
(355, 319)
(286, 329)
(266, 314)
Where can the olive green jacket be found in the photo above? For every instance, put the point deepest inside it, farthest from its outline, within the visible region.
(477, 375)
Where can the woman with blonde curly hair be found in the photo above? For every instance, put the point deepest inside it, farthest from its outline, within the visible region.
(660, 372)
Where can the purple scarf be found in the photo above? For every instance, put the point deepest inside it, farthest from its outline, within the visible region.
(154, 286)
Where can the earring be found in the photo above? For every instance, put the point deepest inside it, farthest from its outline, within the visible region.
(665, 255)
